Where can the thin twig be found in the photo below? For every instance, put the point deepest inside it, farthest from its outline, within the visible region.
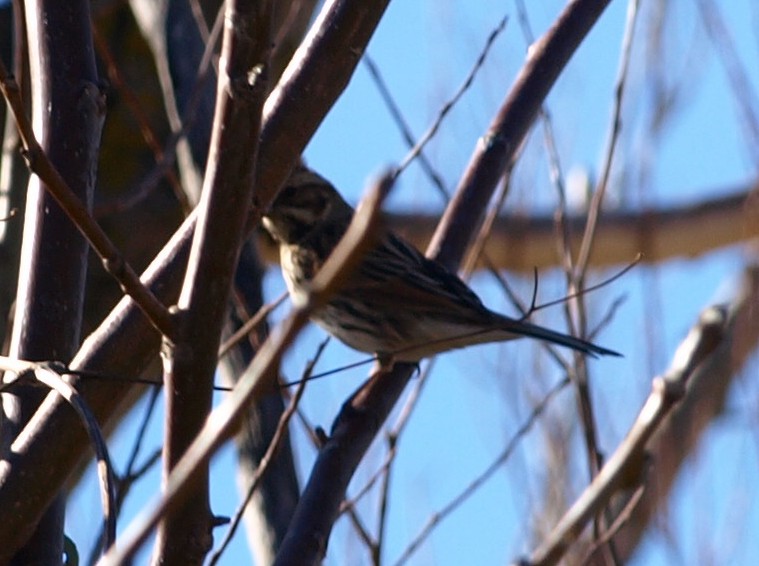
(416, 151)
(49, 374)
(251, 324)
(448, 106)
(169, 152)
(619, 522)
(400, 425)
(263, 464)
(475, 484)
(615, 130)
(135, 107)
(131, 473)
(740, 82)
(384, 471)
(333, 371)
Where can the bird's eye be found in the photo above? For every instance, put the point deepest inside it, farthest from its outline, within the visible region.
(287, 195)
(303, 204)
(319, 203)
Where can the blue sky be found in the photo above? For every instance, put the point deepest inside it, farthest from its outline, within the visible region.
(476, 399)
(425, 52)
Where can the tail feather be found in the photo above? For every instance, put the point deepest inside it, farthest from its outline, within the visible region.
(534, 331)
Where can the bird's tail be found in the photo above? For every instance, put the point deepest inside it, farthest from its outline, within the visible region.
(522, 328)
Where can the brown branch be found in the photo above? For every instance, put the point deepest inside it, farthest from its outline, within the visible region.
(185, 535)
(496, 149)
(68, 116)
(41, 165)
(523, 243)
(52, 443)
(318, 73)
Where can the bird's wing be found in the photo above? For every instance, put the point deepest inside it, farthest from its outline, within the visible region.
(397, 274)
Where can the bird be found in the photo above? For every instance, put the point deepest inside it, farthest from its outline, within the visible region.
(397, 304)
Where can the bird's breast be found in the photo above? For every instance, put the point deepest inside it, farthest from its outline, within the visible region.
(299, 266)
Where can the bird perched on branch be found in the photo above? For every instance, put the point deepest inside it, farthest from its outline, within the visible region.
(397, 304)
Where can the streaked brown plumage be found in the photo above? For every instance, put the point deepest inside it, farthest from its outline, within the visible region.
(398, 303)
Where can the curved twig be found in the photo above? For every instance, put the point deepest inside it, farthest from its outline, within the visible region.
(50, 375)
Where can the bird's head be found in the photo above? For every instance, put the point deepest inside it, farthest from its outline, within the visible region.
(306, 202)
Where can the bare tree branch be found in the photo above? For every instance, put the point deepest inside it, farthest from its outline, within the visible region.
(68, 116)
(667, 390)
(292, 112)
(521, 242)
(185, 535)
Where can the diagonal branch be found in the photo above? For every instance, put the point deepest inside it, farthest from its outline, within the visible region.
(497, 148)
(667, 390)
(357, 240)
(113, 262)
(680, 434)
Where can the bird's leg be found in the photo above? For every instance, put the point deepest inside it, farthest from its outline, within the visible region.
(385, 362)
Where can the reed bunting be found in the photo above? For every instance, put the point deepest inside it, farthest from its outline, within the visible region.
(398, 304)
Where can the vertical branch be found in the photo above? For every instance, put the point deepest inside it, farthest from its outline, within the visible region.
(575, 281)
(184, 535)
(68, 116)
(13, 174)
